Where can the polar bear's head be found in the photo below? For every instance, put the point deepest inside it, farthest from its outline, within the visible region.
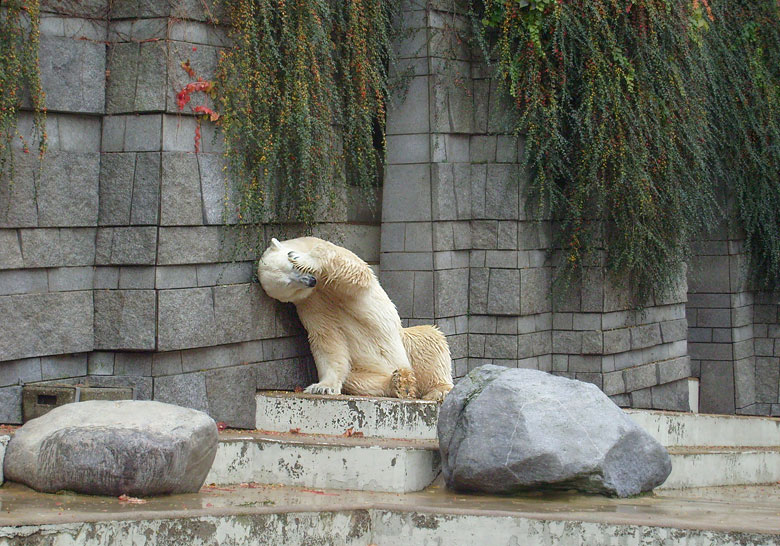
(280, 279)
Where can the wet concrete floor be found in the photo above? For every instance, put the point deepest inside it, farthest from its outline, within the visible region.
(743, 509)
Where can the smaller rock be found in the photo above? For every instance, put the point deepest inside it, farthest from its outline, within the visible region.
(504, 430)
(133, 447)
(3, 446)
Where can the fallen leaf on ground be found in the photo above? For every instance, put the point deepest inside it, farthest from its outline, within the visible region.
(221, 426)
(295, 431)
(131, 500)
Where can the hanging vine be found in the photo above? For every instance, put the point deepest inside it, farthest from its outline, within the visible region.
(19, 38)
(610, 96)
(743, 63)
(302, 97)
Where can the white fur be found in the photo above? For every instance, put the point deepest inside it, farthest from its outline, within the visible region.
(354, 330)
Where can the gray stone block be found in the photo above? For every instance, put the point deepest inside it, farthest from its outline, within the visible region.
(166, 363)
(231, 396)
(413, 148)
(126, 246)
(243, 312)
(73, 74)
(203, 60)
(535, 295)
(125, 319)
(409, 113)
(567, 342)
(645, 336)
(106, 278)
(502, 193)
(16, 372)
(484, 234)
(116, 188)
(617, 341)
(672, 396)
(132, 133)
(393, 236)
(767, 379)
(585, 364)
(122, 64)
(176, 276)
(187, 390)
(189, 245)
(180, 197)
(61, 366)
(423, 295)
(219, 193)
(100, 363)
(397, 284)
(146, 189)
(10, 249)
(613, 383)
(18, 207)
(419, 237)
(640, 377)
(719, 318)
(186, 319)
(592, 343)
(225, 273)
(138, 277)
(23, 281)
(482, 149)
(41, 324)
(11, 405)
(58, 247)
(133, 364)
(478, 290)
(63, 279)
(285, 374)
(407, 193)
(205, 358)
(674, 369)
(179, 135)
(452, 292)
(450, 91)
(504, 292)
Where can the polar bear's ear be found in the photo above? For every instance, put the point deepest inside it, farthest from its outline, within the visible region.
(275, 243)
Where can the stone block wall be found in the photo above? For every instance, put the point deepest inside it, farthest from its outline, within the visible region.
(454, 214)
(116, 263)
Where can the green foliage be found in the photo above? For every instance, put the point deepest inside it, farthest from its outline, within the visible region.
(742, 51)
(610, 97)
(19, 70)
(302, 96)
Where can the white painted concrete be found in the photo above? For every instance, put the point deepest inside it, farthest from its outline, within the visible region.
(688, 429)
(701, 467)
(375, 417)
(324, 463)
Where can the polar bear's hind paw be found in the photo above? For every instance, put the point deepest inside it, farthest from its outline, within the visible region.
(403, 383)
(319, 388)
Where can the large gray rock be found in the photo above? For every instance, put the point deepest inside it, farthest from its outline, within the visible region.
(504, 430)
(99, 447)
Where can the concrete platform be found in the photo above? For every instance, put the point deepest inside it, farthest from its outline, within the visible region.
(253, 514)
(335, 462)
(372, 417)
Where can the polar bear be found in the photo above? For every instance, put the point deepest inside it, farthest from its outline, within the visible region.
(355, 333)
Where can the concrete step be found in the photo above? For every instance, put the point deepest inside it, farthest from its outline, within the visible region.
(329, 462)
(372, 417)
(696, 429)
(722, 466)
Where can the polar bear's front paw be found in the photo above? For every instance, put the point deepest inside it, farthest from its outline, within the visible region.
(403, 383)
(322, 388)
(437, 394)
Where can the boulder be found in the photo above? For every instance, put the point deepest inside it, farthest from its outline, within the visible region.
(505, 430)
(99, 447)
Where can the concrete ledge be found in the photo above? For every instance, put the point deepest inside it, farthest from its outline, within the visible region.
(325, 462)
(719, 466)
(696, 429)
(373, 417)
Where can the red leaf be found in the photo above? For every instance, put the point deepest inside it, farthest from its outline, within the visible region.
(221, 425)
(188, 69)
(295, 431)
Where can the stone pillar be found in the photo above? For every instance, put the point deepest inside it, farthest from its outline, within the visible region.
(720, 319)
